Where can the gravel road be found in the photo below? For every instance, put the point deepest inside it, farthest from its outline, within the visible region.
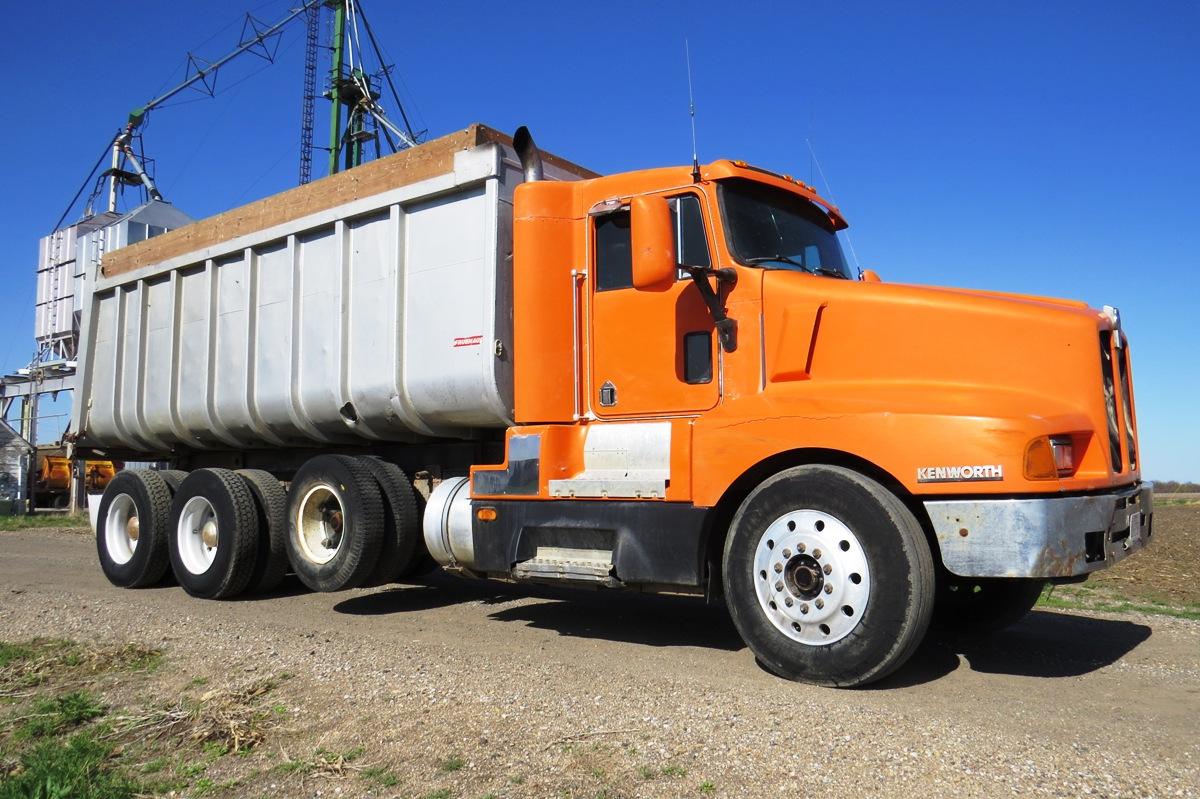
(546, 693)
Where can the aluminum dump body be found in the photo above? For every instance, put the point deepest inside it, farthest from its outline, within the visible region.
(384, 317)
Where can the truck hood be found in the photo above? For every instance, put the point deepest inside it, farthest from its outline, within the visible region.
(1030, 364)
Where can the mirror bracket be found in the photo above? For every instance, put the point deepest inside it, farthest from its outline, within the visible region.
(726, 327)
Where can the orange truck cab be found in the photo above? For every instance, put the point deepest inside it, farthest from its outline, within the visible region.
(709, 398)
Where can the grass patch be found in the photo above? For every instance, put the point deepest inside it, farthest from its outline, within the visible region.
(325, 761)
(220, 721)
(13, 652)
(452, 764)
(443, 793)
(41, 521)
(674, 771)
(380, 776)
(59, 741)
(193, 769)
(295, 767)
(154, 766)
(1089, 599)
(54, 715)
(78, 768)
(707, 788)
(41, 660)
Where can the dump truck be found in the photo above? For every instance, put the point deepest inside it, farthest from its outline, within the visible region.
(475, 356)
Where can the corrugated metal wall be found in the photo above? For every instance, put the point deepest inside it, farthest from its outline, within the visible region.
(14, 463)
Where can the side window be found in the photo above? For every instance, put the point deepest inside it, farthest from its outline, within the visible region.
(614, 256)
(691, 245)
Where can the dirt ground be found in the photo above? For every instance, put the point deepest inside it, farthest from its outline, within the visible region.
(1168, 570)
(451, 689)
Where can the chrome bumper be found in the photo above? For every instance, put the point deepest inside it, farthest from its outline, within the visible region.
(1051, 537)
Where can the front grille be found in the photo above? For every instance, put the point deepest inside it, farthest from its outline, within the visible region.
(1110, 399)
(1127, 406)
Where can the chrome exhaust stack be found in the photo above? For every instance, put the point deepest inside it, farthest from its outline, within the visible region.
(527, 151)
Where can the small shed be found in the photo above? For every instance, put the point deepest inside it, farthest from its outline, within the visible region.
(16, 459)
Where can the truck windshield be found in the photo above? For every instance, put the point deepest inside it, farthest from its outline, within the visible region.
(776, 229)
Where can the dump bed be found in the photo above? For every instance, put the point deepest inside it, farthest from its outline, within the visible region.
(374, 304)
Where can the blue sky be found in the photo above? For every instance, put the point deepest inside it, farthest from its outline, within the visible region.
(1045, 148)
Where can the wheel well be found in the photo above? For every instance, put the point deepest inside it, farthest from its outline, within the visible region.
(717, 528)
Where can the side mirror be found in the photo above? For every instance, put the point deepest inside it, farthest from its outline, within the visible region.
(654, 262)
(870, 276)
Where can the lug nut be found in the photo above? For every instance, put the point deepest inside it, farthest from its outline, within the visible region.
(817, 554)
(787, 553)
(778, 568)
(804, 607)
(828, 568)
(828, 588)
(787, 601)
(820, 603)
(801, 547)
(779, 585)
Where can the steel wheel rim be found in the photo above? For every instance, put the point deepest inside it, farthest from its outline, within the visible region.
(811, 577)
(122, 529)
(320, 524)
(196, 535)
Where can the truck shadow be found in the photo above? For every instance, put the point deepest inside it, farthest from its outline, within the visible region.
(647, 619)
(1043, 644)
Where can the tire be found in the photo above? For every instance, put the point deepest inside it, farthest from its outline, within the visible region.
(790, 543)
(174, 478)
(134, 556)
(401, 522)
(270, 501)
(422, 562)
(335, 523)
(213, 534)
(979, 606)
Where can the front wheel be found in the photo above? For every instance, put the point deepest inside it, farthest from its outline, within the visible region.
(828, 577)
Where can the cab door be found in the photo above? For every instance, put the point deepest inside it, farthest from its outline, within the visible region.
(652, 352)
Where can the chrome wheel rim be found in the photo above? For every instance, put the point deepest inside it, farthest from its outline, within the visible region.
(122, 529)
(320, 524)
(197, 535)
(811, 577)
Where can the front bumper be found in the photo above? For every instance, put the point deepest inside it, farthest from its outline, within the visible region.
(1041, 538)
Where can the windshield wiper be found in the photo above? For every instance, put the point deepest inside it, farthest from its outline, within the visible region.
(758, 259)
(818, 270)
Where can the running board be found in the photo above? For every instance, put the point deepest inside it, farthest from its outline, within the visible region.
(567, 563)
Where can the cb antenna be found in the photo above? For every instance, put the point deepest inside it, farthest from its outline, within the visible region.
(692, 111)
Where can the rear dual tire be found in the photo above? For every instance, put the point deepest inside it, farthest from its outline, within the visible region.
(335, 523)
(131, 529)
(213, 534)
(270, 500)
(401, 535)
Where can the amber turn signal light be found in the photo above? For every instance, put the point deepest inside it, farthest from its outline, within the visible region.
(1039, 460)
(1049, 457)
(486, 514)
